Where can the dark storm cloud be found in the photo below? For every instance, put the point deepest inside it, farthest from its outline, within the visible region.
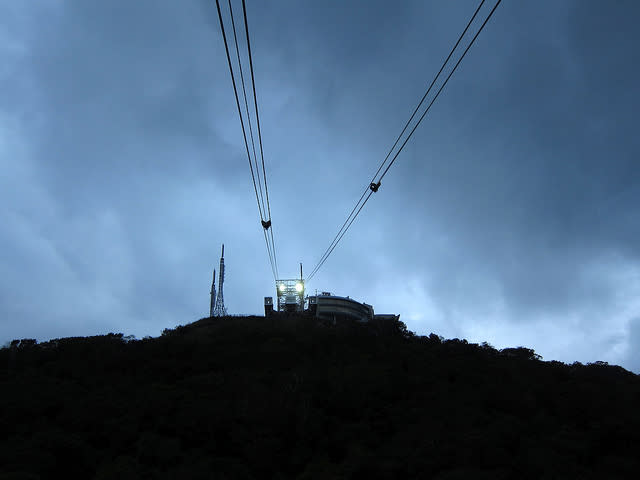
(508, 217)
(541, 200)
(117, 129)
(126, 92)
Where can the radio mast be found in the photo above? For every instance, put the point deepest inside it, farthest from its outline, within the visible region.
(213, 294)
(219, 309)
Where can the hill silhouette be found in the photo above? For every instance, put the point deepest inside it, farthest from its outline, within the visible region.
(292, 397)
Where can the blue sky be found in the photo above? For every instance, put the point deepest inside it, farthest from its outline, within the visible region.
(510, 216)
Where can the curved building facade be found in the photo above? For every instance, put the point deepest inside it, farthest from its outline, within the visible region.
(333, 307)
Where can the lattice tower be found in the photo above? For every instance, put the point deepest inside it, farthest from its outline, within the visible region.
(213, 294)
(219, 309)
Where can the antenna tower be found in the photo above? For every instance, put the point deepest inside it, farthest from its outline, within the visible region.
(219, 309)
(213, 294)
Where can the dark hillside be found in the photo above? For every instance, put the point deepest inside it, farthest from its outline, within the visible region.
(289, 397)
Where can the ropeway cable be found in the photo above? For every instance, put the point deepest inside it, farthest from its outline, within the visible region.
(374, 186)
(265, 204)
(440, 89)
(253, 145)
(261, 210)
(347, 223)
(255, 101)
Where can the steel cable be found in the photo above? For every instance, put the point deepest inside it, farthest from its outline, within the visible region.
(255, 102)
(270, 247)
(358, 206)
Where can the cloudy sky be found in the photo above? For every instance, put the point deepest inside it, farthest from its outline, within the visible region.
(510, 217)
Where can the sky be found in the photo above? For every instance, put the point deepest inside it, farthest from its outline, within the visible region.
(510, 216)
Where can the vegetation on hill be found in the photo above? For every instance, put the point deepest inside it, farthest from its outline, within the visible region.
(291, 397)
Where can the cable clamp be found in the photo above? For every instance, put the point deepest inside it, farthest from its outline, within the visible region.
(374, 186)
(266, 224)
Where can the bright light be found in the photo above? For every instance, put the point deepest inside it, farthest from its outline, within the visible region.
(282, 287)
(299, 287)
